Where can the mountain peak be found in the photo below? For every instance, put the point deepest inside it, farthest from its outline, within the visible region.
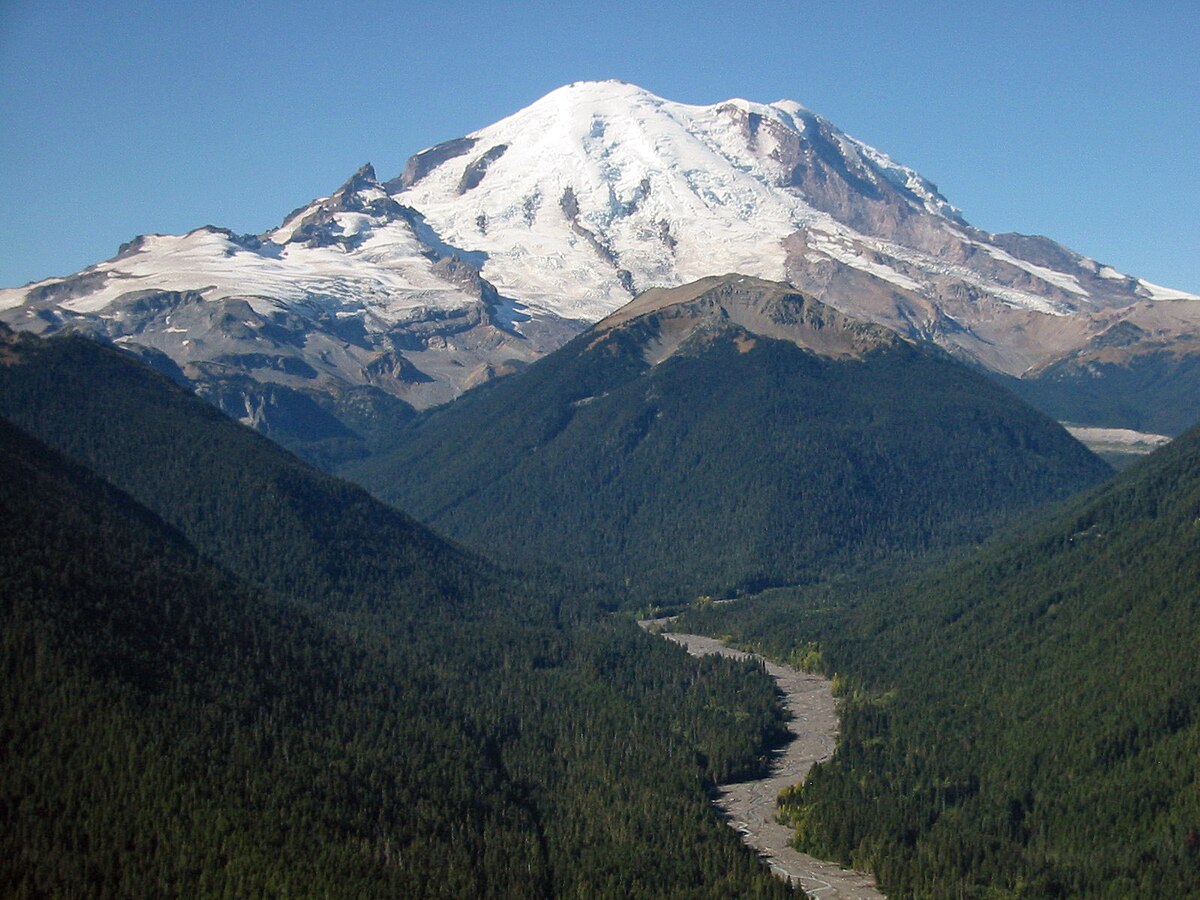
(729, 285)
(743, 308)
(619, 190)
(364, 177)
(320, 223)
(358, 191)
(614, 91)
(588, 91)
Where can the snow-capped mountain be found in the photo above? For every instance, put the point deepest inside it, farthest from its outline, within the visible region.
(492, 249)
(601, 190)
(352, 290)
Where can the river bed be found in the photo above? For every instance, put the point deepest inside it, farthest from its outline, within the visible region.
(749, 806)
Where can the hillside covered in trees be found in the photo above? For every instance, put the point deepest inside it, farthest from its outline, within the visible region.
(727, 436)
(229, 674)
(1025, 722)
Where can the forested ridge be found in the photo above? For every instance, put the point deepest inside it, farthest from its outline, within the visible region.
(1023, 723)
(170, 731)
(228, 674)
(1153, 391)
(737, 464)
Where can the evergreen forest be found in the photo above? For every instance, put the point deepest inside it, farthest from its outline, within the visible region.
(1023, 722)
(227, 674)
(727, 470)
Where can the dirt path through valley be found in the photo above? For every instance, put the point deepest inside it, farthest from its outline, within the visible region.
(750, 806)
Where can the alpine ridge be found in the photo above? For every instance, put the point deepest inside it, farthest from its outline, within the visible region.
(492, 249)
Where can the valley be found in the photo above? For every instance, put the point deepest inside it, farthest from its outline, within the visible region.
(750, 807)
(230, 674)
(1022, 718)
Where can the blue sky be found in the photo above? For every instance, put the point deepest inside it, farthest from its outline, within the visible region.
(1080, 121)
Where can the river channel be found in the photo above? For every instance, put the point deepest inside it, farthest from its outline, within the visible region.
(749, 806)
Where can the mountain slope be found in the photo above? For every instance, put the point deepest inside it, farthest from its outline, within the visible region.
(327, 698)
(171, 731)
(1027, 720)
(494, 248)
(1142, 373)
(724, 436)
(182, 451)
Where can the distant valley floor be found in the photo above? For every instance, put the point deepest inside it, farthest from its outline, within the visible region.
(750, 806)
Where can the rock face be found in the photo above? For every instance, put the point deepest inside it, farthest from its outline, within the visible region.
(492, 249)
(667, 320)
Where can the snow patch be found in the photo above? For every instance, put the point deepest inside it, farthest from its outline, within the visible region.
(1060, 280)
(1087, 433)
(846, 252)
(387, 275)
(1158, 292)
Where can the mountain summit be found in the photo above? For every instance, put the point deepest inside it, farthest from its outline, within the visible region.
(652, 192)
(601, 190)
(491, 249)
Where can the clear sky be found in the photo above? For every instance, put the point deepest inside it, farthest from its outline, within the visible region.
(1080, 121)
